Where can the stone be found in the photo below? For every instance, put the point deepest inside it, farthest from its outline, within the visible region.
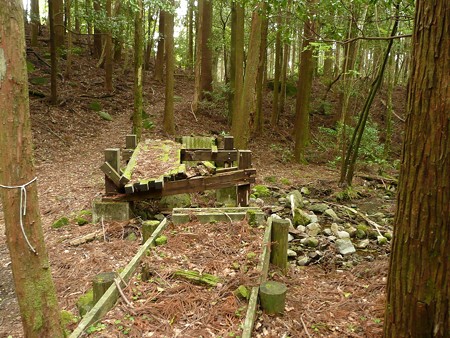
(159, 217)
(161, 240)
(275, 216)
(362, 244)
(351, 230)
(301, 217)
(311, 242)
(314, 218)
(282, 201)
(343, 234)
(227, 196)
(388, 235)
(290, 238)
(111, 211)
(60, 223)
(334, 228)
(305, 191)
(318, 207)
(345, 246)
(295, 197)
(330, 212)
(301, 228)
(302, 261)
(315, 254)
(332, 238)
(175, 201)
(327, 231)
(259, 202)
(291, 253)
(313, 229)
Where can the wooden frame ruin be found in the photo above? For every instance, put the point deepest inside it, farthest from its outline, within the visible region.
(119, 188)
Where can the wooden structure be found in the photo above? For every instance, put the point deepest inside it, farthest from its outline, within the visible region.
(170, 173)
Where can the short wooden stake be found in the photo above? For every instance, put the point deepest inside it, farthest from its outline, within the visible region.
(130, 141)
(101, 283)
(273, 297)
(279, 239)
(228, 142)
(243, 191)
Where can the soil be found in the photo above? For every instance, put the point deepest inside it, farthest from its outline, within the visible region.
(69, 141)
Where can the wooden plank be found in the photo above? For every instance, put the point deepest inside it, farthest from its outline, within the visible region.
(128, 171)
(126, 154)
(196, 184)
(245, 159)
(198, 142)
(208, 155)
(110, 297)
(243, 195)
(129, 189)
(112, 156)
(225, 170)
(263, 268)
(109, 171)
(228, 142)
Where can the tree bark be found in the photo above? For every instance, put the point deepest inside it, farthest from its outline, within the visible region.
(261, 77)
(97, 32)
(29, 262)
(138, 65)
(108, 51)
(168, 121)
(306, 69)
(53, 58)
(237, 57)
(240, 127)
(276, 80)
(418, 292)
(206, 76)
(35, 22)
(198, 57)
(58, 17)
(69, 41)
(159, 62)
(190, 56)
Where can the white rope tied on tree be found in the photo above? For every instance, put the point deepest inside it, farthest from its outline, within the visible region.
(23, 207)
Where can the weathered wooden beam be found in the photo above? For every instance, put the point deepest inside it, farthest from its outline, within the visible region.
(208, 155)
(243, 190)
(112, 157)
(128, 171)
(196, 184)
(278, 253)
(228, 142)
(109, 171)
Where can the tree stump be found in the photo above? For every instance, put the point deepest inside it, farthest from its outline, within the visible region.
(279, 239)
(272, 296)
(101, 283)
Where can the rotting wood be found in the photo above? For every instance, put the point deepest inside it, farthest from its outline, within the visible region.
(197, 277)
(278, 253)
(128, 171)
(85, 239)
(263, 267)
(101, 282)
(208, 155)
(196, 184)
(131, 141)
(273, 297)
(112, 174)
(112, 157)
(111, 295)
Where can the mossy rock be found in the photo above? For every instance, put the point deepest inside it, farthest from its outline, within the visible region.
(301, 218)
(261, 191)
(175, 201)
(85, 303)
(60, 223)
(161, 240)
(68, 318)
(95, 106)
(105, 116)
(81, 221)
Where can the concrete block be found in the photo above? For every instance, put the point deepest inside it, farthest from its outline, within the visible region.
(111, 211)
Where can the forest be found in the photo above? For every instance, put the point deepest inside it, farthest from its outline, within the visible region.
(224, 168)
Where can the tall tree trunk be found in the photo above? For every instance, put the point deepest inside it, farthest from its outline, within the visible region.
(58, 17)
(87, 8)
(237, 57)
(198, 57)
(35, 22)
(77, 18)
(190, 56)
(151, 33)
(30, 265)
(119, 38)
(138, 65)
(306, 70)
(97, 32)
(418, 291)
(206, 79)
(240, 127)
(276, 80)
(261, 77)
(53, 58)
(69, 40)
(108, 50)
(285, 61)
(168, 121)
(159, 62)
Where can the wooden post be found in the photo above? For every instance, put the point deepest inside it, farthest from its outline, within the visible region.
(228, 144)
(243, 191)
(279, 239)
(101, 283)
(147, 229)
(130, 141)
(112, 157)
(273, 297)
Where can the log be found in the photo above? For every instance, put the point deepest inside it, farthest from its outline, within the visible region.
(279, 239)
(197, 277)
(272, 296)
(101, 283)
(85, 239)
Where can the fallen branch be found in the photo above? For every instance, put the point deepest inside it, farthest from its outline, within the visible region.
(380, 179)
(360, 214)
(195, 276)
(84, 239)
(125, 299)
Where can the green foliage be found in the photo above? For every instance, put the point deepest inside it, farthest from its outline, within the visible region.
(96, 328)
(39, 81)
(270, 179)
(60, 223)
(105, 116)
(285, 154)
(30, 67)
(261, 191)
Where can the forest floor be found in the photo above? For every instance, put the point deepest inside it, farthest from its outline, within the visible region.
(69, 140)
